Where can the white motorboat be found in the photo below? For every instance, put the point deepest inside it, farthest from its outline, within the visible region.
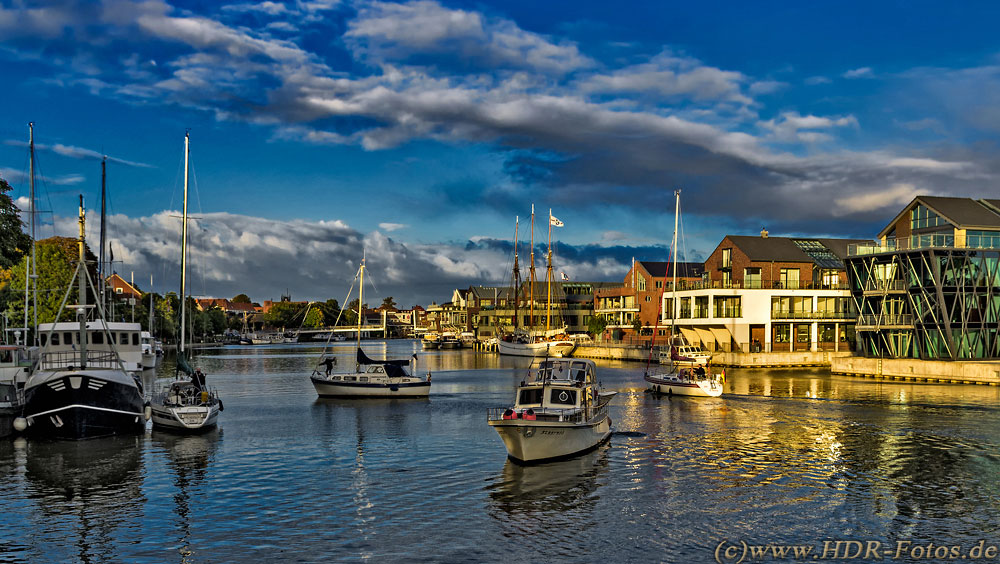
(683, 354)
(371, 378)
(104, 337)
(15, 367)
(559, 414)
(185, 405)
(685, 375)
(431, 340)
(449, 340)
(81, 388)
(536, 344)
(149, 356)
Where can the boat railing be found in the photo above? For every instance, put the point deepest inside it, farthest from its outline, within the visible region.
(568, 415)
(71, 359)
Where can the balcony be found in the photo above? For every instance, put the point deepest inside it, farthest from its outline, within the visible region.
(812, 315)
(875, 287)
(884, 321)
(928, 241)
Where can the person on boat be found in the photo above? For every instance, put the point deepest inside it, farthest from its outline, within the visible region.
(700, 372)
(329, 362)
(198, 379)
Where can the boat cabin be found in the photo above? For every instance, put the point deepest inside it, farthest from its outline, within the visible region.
(61, 344)
(559, 385)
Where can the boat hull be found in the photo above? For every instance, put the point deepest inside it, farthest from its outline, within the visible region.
(149, 360)
(191, 419)
(672, 385)
(409, 388)
(555, 349)
(82, 405)
(532, 442)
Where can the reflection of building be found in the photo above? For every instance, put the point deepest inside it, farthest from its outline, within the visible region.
(930, 288)
(768, 294)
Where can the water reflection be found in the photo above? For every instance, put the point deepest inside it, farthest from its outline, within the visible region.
(554, 503)
(188, 458)
(90, 494)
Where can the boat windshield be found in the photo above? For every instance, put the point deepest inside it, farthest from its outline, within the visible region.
(572, 370)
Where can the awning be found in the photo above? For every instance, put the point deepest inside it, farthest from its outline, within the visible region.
(690, 336)
(723, 337)
(706, 338)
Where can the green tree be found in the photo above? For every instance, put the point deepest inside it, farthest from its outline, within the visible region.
(597, 325)
(241, 299)
(284, 314)
(388, 303)
(331, 310)
(14, 242)
(57, 258)
(314, 319)
(637, 326)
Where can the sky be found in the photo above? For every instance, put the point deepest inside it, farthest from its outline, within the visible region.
(415, 133)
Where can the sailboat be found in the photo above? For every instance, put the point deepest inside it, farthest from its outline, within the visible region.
(684, 375)
(18, 358)
(83, 392)
(532, 342)
(185, 405)
(371, 378)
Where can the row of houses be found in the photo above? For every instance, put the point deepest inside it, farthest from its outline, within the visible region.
(928, 288)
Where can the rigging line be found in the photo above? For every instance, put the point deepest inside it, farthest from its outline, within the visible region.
(340, 314)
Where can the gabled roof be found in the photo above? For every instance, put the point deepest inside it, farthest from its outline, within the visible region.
(662, 269)
(963, 213)
(823, 252)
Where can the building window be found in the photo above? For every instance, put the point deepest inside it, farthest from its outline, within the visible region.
(642, 283)
(727, 307)
(727, 258)
(829, 278)
(119, 290)
(685, 308)
(921, 218)
(751, 278)
(647, 299)
(982, 239)
(782, 333)
(659, 284)
(701, 307)
(789, 278)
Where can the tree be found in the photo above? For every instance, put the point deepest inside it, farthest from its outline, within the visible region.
(57, 258)
(388, 303)
(314, 319)
(331, 311)
(597, 325)
(241, 299)
(637, 326)
(14, 242)
(284, 314)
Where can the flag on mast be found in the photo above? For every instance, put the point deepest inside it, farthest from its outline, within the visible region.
(554, 221)
(565, 277)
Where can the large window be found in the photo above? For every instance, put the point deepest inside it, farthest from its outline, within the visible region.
(727, 258)
(921, 217)
(789, 278)
(983, 239)
(701, 307)
(728, 306)
(751, 277)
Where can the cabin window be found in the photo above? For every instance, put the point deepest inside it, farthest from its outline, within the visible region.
(55, 339)
(67, 338)
(135, 339)
(124, 339)
(45, 338)
(531, 396)
(564, 397)
(97, 338)
(363, 379)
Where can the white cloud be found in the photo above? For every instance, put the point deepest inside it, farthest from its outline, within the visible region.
(767, 86)
(815, 80)
(670, 75)
(889, 199)
(863, 72)
(789, 126)
(392, 226)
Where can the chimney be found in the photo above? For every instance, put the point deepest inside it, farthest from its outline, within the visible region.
(763, 233)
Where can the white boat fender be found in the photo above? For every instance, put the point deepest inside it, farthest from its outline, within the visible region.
(147, 411)
(20, 424)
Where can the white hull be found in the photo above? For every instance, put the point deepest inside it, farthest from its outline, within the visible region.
(676, 385)
(536, 441)
(149, 360)
(557, 349)
(185, 418)
(331, 386)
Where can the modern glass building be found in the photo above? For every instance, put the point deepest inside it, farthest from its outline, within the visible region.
(930, 288)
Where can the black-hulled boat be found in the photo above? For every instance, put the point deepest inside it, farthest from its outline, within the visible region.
(81, 393)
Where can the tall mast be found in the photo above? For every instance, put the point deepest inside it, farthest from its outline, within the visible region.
(31, 213)
(150, 305)
(184, 237)
(517, 273)
(361, 297)
(101, 271)
(677, 214)
(548, 277)
(531, 318)
(82, 271)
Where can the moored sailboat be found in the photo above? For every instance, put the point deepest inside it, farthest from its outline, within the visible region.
(81, 393)
(371, 378)
(685, 376)
(185, 405)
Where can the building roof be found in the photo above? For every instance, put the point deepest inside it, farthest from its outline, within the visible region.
(662, 269)
(823, 252)
(963, 213)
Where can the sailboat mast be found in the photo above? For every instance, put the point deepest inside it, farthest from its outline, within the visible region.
(361, 298)
(677, 214)
(531, 318)
(184, 236)
(548, 278)
(82, 271)
(31, 207)
(516, 282)
(102, 272)
(151, 305)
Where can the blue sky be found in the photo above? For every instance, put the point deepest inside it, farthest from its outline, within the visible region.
(417, 131)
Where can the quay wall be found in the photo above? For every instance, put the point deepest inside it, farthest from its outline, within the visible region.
(953, 372)
(615, 351)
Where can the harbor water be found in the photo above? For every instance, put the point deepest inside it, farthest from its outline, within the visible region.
(785, 457)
